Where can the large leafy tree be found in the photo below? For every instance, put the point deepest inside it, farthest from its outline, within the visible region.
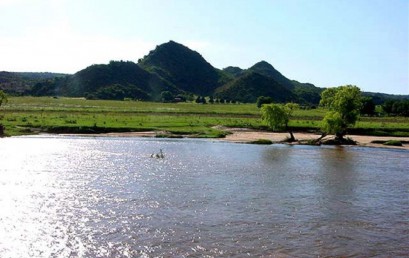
(344, 103)
(277, 116)
(368, 106)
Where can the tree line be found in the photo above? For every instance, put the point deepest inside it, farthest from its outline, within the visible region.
(396, 107)
(344, 104)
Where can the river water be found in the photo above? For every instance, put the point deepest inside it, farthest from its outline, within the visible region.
(64, 196)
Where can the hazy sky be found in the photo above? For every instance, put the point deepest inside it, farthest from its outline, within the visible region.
(324, 42)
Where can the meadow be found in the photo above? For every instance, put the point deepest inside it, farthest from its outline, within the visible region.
(30, 115)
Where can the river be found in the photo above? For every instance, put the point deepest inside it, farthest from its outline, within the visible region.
(67, 196)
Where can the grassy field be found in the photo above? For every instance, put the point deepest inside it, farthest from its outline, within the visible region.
(25, 115)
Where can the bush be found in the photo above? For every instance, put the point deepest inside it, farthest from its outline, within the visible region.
(393, 143)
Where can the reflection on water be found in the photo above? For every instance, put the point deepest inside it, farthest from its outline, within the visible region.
(105, 197)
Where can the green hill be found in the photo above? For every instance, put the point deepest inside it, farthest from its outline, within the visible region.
(250, 86)
(306, 93)
(116, 80)
(20, 83)
(169, 67)
(184, 68)
(268, 70)
(233, 71)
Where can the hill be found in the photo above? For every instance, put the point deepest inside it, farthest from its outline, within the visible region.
(304, 93)
(250, 86)
(169, 67)
(233, 71)
(116, 80)
(20, 83)
(268, 70)
(184, 68)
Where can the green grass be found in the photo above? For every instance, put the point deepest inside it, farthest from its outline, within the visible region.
(393, 143)
(23, 115)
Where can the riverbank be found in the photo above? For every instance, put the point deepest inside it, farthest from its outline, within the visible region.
(246, 136)
(243, 135)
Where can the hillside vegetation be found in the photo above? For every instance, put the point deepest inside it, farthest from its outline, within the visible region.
(174, 69)
(184, 68)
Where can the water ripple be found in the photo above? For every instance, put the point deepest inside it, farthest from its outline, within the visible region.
(105, 197)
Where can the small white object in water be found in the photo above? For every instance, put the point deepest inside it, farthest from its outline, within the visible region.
(159, 155)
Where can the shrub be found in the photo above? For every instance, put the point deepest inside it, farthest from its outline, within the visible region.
(393, 143)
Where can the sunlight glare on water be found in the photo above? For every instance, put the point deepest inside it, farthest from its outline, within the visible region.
(105, 197)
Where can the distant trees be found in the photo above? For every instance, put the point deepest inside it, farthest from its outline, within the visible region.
(44, 88)
(118, 92)
(167, 96)
(201, 100)
(396, 107)
(277, 116)
(211, 100)
(344, 103)
(214, 100)
(368, 106)
(263, 100)
(3, 99)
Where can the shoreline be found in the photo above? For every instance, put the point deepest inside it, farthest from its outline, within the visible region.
(244, 135)
(248, 135)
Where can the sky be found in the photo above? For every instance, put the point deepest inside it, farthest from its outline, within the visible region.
(324, 42)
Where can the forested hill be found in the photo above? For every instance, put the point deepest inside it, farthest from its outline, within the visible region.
(268, 70)
(271, 82)
(251, 85)
(170, 68)
(20, 83)
(184, 68)
(116, 80)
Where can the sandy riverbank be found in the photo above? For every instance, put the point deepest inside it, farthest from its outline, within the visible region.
(247, 135)
(240, 135)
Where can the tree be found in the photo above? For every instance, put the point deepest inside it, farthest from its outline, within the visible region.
(332, 123)
(396, 107)
(3, 99)
(263, 100)
(344, 103)
(211, 100)
(368, 106)
(198, 99)
(387, 106)
(277, 116)
(166, 96)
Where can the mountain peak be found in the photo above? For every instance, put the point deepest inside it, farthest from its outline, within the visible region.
(263, 63)
(251, 85)
(183, 67)
(267, 69)
(173, 44)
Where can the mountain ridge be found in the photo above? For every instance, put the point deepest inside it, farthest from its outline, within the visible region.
(183, 67)
(169, 67)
